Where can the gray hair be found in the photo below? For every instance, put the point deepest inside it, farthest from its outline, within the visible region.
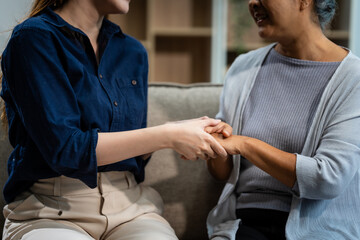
(325, 10)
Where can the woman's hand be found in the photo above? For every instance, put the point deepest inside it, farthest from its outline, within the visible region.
(223, 128)
(190, 139)
(220, 168)
(229, 143)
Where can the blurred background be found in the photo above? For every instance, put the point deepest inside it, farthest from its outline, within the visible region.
(192, 41)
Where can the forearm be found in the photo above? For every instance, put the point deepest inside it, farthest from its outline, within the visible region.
(186, 137)
(220, 168)
(279, 164)
(117, 146)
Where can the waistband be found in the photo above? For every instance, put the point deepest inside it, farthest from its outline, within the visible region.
(64, 186)
(262, 216)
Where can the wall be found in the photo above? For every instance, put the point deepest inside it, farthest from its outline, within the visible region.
(11, 12)
(354, 27)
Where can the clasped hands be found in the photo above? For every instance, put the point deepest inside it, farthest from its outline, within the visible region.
(201, 138)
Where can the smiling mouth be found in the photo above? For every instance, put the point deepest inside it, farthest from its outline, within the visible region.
(260, 18)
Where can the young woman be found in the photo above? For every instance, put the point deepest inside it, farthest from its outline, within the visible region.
(75, 90)
(294, 106)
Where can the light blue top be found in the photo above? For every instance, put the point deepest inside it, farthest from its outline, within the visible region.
(326, 197)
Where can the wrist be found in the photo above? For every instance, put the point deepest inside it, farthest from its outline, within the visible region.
(167, 133)
(242, 145)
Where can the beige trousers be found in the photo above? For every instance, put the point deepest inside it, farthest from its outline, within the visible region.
(118, 208)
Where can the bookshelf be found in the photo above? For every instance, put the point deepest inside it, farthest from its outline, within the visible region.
(177, 35)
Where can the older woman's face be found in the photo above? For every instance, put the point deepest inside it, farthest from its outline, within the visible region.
(275, 19)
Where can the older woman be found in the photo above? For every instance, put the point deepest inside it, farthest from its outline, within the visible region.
(294, 106)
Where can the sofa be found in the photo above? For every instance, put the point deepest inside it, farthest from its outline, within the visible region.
(187, 189)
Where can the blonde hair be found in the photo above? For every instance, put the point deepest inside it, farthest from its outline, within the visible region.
(37, 7)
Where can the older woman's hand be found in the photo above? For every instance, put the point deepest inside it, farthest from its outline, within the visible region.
(223, 128)
(231, 144)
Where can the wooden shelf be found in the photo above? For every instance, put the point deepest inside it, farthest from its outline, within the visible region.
(146, 44)
(135, 21)
(177, 35)
(180, 13)
(184, 59)
(337, 34)
(183, 32)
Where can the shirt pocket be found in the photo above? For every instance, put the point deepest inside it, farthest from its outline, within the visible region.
(132, 95)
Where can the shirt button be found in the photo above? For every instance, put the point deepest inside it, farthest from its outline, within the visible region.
(134, 82)
(101, 76)
(115, 103)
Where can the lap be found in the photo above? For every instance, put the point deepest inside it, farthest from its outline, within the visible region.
(55, 234)
(146, 227)
(45, 229)
(121, 206)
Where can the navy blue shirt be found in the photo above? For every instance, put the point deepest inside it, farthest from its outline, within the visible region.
(58, 98)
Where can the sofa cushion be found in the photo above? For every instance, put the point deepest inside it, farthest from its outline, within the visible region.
(188, 191)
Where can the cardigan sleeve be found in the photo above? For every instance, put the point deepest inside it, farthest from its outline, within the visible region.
(337, 157)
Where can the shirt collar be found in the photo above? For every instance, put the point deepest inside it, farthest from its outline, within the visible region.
(51, 17)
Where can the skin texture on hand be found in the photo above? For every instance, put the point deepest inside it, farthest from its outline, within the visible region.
(223, 128)
(220, 167)
(191, 140)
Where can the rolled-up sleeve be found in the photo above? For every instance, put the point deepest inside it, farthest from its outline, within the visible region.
(47, 105)
(337, 158)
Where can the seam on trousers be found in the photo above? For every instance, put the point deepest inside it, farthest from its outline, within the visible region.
(128, 180)
(57, 187)
(102, 205)
(57, 193)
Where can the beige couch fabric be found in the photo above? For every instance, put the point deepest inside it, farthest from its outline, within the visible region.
(189, 192)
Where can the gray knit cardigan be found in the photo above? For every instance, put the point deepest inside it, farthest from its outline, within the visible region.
(326, 195)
